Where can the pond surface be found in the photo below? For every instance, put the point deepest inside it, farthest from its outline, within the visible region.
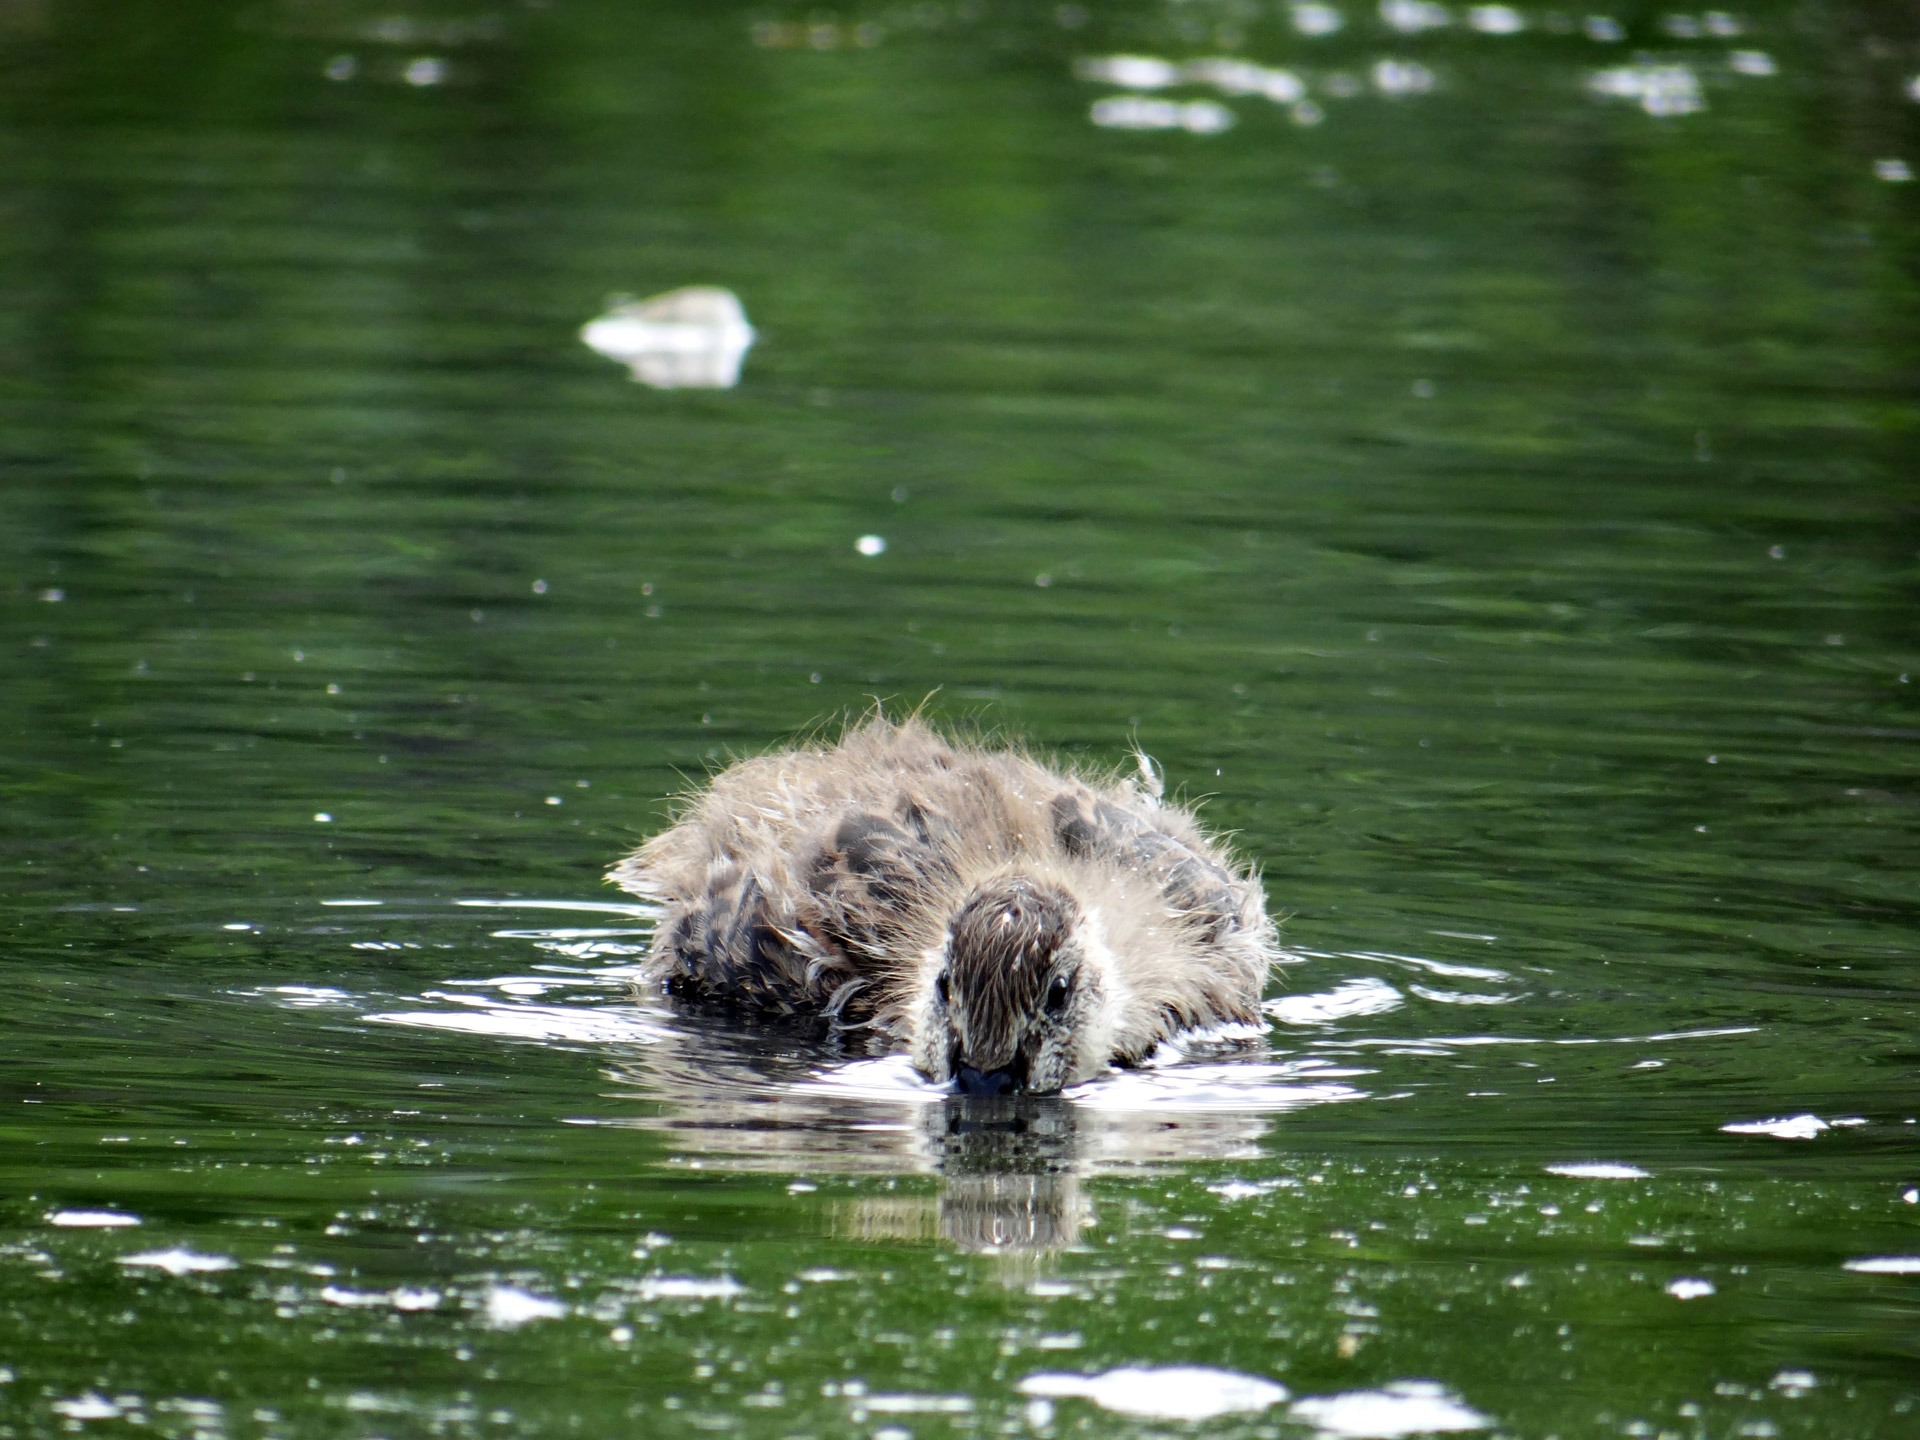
(1474, 448)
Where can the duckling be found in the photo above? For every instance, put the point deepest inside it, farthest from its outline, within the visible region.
(1015, 927)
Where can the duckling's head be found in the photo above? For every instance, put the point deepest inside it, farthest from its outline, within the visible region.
(1016, 999)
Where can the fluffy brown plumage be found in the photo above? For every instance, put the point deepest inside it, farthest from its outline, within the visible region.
(1011, 925)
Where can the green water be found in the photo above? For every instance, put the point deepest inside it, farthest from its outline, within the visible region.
(1499, 500)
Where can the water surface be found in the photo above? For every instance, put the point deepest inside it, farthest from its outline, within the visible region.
(1472, 448)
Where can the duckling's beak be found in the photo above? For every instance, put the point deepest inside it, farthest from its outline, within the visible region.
(983, 1082)
(1009, 1078)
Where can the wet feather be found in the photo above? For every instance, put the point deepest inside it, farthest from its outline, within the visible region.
(1002, 919)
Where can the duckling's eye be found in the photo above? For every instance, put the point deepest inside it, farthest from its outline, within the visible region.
(940, 987)
(1057, 994)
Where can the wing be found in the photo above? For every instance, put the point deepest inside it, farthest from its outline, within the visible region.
(825, 952)
(723, 945)
(1196, 886)
(874, 871)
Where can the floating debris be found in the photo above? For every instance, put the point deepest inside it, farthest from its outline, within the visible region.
(694, 338)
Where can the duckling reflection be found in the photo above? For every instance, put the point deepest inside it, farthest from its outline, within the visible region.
(1011, 1168)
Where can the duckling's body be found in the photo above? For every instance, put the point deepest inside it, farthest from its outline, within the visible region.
(1012, 926)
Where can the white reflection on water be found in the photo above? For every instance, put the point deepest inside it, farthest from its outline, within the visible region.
(1496, 20)
(1363, 996)
(1402, 77)
(694, 338)
(1407, 1407)
(91, 1219)
(1171, 1392)
(478, 1015)
(1243, 77)
(1129, 72)
(1598, 1170)
(1311, 18)
(1885, 1265)
(1663, 91)
(1140, 112)
(404, 1297)
(689, 1287)
(1792, 1127)
(1410, 17)
(505, 1307)
(179, 1261)
(633, 908)
(1244, 1087)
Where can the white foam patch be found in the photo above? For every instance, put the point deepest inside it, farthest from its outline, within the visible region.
(690, 1287)
(507, 1307)
(1598, 1170)
(1172, 1392)
(1406, 1407)
(91, 1219)
(1366, 996)
(179, 1261)
(1885, 1265)
(1788, 1127)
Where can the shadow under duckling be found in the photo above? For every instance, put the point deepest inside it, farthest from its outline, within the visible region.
(1015, 927)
